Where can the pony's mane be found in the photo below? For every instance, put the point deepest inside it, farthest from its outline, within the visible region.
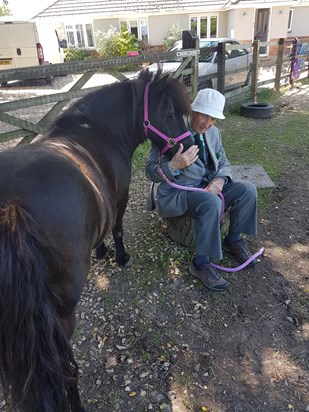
(127, 97)
(171, 89)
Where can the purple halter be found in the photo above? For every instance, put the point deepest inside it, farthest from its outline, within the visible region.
(171, 142)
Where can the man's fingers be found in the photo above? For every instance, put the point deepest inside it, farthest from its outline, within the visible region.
(180, 150)
(213, 188)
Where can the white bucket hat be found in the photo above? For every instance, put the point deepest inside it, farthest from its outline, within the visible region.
(210, 102)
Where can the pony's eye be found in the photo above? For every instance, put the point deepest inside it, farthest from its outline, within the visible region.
(171, 116)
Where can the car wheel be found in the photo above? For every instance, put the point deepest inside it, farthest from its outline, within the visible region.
(257, 110)
(205, 85)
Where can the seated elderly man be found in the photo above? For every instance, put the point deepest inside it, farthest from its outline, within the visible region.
(205, 165)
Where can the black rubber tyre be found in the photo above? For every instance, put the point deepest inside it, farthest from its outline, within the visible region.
(257, 110)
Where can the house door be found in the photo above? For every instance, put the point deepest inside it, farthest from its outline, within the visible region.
(261, 27)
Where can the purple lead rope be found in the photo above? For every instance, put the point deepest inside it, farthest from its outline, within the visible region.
(191, 189)
(198, 189)
(238, 268)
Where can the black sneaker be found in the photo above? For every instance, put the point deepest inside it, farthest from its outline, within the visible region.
(209, 276)
(238, 249)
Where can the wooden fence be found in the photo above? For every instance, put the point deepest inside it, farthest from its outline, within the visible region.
(23, 118)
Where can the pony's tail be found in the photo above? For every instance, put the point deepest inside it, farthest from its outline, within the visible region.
(37, 366)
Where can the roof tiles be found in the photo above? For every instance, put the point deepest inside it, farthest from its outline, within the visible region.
(146, 7)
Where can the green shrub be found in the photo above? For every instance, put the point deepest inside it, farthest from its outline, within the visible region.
(112, 43)
(73, 54)
(4, 10)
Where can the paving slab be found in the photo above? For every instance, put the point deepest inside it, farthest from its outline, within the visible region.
(253, 173)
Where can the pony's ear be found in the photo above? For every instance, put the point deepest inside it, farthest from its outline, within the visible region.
(158, 72)
(145, 75)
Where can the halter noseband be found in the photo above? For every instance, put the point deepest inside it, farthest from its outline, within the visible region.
(171, 142)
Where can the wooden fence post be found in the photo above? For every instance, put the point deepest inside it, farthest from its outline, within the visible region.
(221, 67)
(279, 63)
(191, 41)
(255, 70)
(293, 57)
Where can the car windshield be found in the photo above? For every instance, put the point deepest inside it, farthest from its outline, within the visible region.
(207, 57)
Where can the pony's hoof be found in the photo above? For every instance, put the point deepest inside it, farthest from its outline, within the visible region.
(127, 261)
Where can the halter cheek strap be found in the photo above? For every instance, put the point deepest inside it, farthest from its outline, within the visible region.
(171, 142)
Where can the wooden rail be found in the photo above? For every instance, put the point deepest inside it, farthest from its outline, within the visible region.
(27, 129)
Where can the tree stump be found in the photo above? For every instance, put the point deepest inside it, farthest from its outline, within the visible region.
(182, 229)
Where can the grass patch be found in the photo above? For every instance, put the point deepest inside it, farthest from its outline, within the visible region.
(141, 154)
(275, 143)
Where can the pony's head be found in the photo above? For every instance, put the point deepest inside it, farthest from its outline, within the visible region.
(166, 108)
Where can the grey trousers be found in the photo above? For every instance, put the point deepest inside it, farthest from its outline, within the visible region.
(205, 208)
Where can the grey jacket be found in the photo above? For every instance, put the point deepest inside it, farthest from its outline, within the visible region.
(172, 202)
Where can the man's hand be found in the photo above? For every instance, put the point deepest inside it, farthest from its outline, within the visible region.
(215, 186)
(184, 159)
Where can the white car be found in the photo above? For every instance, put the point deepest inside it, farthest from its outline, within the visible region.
(235, 59)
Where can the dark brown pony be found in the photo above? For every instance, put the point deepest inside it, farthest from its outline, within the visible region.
(59, 197)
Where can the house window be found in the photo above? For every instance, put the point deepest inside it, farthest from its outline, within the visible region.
(89, 35)
(193, 25)
(290, 21)
(137, 27)
(143, 27)
(70, 36)
(133, 28)
(80, 35)
(213, 26)
(203, 29)
(204, 26)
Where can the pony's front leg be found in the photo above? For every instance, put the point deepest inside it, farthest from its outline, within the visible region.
(122, 258)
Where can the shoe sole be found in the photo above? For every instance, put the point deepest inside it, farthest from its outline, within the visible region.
(222, 289)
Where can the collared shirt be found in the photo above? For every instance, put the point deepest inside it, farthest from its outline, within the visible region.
(199, 140)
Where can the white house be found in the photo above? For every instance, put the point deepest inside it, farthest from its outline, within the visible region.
(150, 20)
